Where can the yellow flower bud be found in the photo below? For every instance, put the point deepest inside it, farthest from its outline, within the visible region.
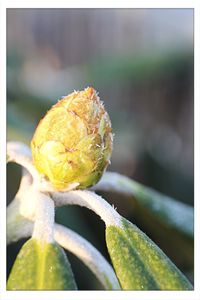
(72, 144)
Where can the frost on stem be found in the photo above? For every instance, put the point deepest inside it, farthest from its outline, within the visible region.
(44, 219)
(90, 200)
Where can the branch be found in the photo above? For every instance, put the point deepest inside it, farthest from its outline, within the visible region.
(90, 200)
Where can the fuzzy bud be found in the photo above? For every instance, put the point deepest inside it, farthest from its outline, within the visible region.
(72, 144)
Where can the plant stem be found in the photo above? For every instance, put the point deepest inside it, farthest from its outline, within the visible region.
(90, 200)
(44, 218)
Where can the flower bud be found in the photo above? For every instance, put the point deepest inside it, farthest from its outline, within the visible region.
(72, 144)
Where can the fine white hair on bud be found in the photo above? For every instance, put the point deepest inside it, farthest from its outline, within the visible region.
(73, 142)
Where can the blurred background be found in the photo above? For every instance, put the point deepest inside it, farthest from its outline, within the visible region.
(141, 63)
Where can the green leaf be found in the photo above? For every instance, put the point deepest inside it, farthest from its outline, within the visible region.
(41, 267)
(164, 236)
(139, 263)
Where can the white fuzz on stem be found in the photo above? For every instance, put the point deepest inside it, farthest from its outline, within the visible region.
(44, 218)
(90, 200)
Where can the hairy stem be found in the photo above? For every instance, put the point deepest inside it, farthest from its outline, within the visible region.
(44, 218)
(90, 200)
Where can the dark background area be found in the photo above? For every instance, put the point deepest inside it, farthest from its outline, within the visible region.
(141, 63)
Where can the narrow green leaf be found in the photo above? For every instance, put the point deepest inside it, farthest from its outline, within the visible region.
(129, 268)
(139, 263)
(41, 267)
(164, 235)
